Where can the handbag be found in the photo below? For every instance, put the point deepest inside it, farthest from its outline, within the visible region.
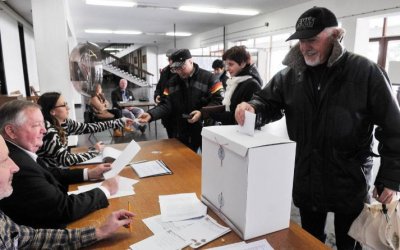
(375, 229)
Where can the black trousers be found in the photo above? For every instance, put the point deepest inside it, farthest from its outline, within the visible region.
(314, 223)
(116, 112)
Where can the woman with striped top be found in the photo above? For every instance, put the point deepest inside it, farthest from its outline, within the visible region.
(54, 152)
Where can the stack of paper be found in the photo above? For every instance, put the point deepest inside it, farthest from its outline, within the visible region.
(183, 222)
(125, 187)
(150, 168)
(179, 207)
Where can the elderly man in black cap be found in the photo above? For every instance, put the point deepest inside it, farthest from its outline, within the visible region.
(332, 99)
(186, 93)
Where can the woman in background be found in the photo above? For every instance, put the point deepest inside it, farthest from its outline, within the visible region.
(101, 106)
(103, 111)
(54, 152)
(243, 82)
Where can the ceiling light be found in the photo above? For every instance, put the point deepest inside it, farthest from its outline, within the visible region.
(116, 3)
(113, 49)
(243, 12)
(198, 9)
(99, 31)
(178, 34)
(127, 32)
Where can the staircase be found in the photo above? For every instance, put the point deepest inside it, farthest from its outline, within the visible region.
(123, 74)
(108, 66)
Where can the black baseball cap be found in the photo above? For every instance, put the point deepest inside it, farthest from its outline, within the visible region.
(179, 57)
(312, 22)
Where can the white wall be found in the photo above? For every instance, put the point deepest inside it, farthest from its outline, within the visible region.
(11, 53)
(151, 65)
(31, 59)
(51, 40)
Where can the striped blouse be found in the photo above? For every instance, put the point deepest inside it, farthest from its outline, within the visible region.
(54, 153)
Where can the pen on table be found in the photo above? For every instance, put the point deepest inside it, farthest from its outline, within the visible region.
(135, 162)
(130, 224)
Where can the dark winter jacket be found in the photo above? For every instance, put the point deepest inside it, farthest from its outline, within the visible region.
(201, 89)
(333, 128)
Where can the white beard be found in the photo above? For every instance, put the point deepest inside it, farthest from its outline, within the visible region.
(313, 62)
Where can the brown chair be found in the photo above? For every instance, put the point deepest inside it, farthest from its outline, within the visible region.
(7, 98)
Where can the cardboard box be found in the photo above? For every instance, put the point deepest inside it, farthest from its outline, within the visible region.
(247, 180)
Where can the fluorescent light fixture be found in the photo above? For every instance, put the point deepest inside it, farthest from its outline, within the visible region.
(99, 31)
(198, 9)
(240, 12)
(178, 34)
(113, 49)
(127, 32)
(212, 10)
(116, 3)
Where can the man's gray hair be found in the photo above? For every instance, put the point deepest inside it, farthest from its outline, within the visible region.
(340, 32)
(12, 112)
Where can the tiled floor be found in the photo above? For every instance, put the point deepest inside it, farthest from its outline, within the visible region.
(161, 134)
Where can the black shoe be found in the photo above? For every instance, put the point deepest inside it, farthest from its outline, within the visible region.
(142, 128)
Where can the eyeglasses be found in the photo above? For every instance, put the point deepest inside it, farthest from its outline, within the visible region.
(62, 106)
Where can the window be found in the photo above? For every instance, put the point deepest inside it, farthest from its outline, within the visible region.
(384, 40)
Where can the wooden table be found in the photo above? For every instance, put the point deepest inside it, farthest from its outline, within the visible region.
(186, 178)
(136, 103)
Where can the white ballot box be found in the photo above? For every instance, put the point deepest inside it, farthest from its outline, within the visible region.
(247, 180)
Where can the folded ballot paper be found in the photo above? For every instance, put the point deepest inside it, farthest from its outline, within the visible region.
(188, 225)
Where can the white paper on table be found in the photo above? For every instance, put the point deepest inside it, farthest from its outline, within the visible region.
(156, 225)
(167, 240)
(256, 245)
(123, 159)
(179, 207)
(259, 245)
(124, 187)
(249, 123)
(203, 231)
(236, 245)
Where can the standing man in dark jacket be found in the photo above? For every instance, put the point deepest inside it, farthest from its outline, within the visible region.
(162, 84)
(332, 99)
(190, 90)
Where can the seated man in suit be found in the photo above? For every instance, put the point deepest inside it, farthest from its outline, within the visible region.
(14, 236)
(40, 198)
(122, 94)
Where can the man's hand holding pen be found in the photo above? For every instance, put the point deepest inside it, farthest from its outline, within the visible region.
(113, 222)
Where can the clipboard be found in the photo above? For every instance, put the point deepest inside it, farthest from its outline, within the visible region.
(151, 168)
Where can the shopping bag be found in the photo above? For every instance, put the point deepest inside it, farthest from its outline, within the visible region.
(376, 230)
